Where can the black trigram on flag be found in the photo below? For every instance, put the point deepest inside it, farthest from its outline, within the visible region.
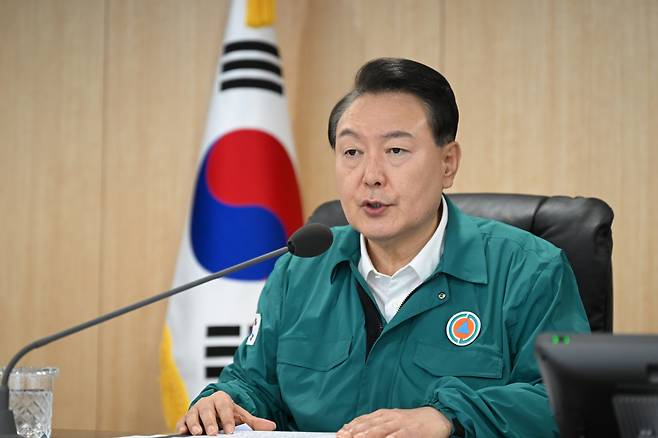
(251, 64)
(221, 343)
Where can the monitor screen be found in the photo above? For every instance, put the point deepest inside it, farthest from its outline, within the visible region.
(601, 385)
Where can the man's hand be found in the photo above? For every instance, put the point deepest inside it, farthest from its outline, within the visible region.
(205, 413)
(398, 423)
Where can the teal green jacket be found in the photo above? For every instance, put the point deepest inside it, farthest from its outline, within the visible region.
(308, 368)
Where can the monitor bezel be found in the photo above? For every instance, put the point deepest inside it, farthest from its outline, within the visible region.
(584, 372)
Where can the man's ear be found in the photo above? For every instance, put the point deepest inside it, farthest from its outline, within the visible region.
(451, 155)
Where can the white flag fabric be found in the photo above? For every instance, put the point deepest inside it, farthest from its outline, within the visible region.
(246, 203)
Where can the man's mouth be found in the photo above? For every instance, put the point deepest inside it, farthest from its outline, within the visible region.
(374, 206)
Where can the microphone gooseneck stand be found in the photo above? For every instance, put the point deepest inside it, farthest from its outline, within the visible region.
(308, 241)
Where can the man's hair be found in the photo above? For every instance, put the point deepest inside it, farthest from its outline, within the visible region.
(399, 75)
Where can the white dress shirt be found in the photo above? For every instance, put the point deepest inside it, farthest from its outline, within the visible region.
(391, 291)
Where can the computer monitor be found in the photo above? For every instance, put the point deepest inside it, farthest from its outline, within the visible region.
(601, 385)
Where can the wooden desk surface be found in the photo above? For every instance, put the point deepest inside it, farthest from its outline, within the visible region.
(72, 433)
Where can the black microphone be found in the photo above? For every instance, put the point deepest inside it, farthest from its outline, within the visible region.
(309, 241)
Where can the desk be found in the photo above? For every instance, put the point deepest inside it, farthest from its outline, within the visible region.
(76, 433)
(73, 433)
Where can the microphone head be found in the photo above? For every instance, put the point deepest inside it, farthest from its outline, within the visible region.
(310, 240)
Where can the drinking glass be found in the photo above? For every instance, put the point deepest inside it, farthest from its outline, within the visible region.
(31, 400)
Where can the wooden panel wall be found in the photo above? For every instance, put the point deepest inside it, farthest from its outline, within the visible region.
(103, 105)
(51, 88)
(160, 62)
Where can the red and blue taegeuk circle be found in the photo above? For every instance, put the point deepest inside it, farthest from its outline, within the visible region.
(246, 202)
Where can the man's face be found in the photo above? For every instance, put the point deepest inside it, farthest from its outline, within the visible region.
(389, 171)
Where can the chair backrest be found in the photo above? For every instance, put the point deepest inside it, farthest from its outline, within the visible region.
(579, 226)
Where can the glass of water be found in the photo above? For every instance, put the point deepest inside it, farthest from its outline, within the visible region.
(31, 400)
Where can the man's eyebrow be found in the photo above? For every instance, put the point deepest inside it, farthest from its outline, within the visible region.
(347, 132)
(397, 134)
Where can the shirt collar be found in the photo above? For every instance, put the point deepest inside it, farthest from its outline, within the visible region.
(463, 248)
(424, 263)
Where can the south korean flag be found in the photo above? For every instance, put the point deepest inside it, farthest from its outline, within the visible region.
(246, 203)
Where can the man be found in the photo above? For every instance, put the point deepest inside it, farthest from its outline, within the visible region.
(420, 320)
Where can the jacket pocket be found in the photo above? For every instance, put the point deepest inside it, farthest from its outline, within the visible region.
(470, 361)
(314, 354)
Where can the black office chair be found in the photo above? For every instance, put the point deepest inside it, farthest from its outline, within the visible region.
(580, 226)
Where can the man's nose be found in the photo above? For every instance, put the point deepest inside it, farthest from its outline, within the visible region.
(373, 173)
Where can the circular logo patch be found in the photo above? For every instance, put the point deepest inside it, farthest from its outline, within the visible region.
(463, 328)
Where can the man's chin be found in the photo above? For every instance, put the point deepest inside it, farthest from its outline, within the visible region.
(378, 236)
(376, 230)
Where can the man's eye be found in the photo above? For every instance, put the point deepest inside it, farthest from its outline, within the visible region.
(396, 151)
(351, 152)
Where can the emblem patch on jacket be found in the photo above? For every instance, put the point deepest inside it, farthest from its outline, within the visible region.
(463, 328)
(254, 330)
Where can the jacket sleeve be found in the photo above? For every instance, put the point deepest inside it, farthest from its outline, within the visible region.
(251, 379)
(544, 300)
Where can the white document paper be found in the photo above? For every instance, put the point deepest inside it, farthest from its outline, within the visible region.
(250, 433)
(245, 431)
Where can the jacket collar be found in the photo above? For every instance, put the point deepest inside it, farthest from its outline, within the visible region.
(463, 255)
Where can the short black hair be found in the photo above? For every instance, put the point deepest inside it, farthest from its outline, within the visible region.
(405, 76)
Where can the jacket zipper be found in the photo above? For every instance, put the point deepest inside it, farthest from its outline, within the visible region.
(431, 277)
